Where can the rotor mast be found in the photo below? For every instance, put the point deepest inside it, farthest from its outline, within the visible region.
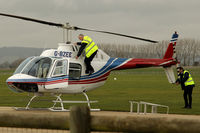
(67, 33)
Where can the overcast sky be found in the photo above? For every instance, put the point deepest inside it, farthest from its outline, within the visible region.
(152, 19)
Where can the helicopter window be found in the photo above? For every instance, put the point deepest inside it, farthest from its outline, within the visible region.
(21, 66)
(74, 71)
(38, 67)
(60, 68)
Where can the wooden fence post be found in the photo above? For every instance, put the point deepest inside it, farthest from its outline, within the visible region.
(79, 119)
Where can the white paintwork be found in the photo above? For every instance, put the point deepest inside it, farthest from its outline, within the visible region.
(98, 62)
(170, 74)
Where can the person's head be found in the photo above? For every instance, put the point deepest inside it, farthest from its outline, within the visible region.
(180, 69)
(80, 37)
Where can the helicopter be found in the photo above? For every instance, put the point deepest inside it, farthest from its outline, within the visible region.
(57, 71)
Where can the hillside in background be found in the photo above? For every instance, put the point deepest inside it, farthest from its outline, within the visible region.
(10, 54)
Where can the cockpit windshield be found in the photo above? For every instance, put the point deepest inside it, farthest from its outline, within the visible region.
(37, 67)
(21, 66)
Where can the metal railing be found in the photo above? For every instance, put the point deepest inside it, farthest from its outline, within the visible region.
(142, 104)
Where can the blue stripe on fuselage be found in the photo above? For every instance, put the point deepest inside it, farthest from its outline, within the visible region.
(37, 80)
(112, 63)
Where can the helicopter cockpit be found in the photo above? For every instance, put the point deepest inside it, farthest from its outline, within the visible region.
(44, 67)
(39, 70)
(35, 66)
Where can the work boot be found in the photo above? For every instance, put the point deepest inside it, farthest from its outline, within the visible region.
(185, 107)
(91, 71)
(86, 71)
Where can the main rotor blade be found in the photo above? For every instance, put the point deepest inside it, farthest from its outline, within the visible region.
(33, 20)
(118, 34)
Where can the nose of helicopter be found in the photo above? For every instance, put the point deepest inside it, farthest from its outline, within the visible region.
(22, 82)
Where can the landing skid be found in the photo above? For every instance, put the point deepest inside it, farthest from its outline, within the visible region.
(30, 109)
(58, 100)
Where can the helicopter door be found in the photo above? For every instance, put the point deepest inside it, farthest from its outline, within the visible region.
(59, 75)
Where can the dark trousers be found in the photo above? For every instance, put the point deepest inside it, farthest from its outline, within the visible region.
(187, 95)
(88, 63)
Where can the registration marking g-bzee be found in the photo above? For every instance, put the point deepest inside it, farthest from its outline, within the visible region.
(63, 53)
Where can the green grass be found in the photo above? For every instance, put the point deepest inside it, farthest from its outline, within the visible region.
(146, 84)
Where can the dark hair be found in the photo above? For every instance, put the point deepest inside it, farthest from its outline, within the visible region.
(180, 68)
(80, 35)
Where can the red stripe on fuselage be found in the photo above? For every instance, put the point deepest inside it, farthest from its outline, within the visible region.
(140, 63)
(89, 82)
(93, 80)
(85, 81)
(43, 83)
(56, 81)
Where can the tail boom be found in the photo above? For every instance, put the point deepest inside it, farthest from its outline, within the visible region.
(142, 63)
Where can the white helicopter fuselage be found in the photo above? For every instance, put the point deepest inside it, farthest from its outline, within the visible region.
(58, 71)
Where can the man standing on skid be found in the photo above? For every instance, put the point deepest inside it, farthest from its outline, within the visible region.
(90, 51)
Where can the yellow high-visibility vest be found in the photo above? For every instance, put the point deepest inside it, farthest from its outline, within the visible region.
(189, 81)
(91, 47)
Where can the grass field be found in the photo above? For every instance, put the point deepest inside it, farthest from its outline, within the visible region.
(147, 84)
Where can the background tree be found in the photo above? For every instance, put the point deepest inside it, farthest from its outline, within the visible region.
(188, 50)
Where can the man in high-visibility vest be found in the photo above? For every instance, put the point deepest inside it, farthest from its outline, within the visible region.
(90, 48)
(187, 84)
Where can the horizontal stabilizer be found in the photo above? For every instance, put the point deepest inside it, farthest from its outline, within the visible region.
(170, 74)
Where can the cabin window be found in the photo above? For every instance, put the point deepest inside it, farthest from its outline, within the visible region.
(22, 65)
(38, 67)
(60, 68)
(74, 71)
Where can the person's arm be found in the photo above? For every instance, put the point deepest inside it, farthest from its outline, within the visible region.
(78, 43)
(83, 45)
(186, 76)
(178, 80)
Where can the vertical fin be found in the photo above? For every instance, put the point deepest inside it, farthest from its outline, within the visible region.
(171, 51)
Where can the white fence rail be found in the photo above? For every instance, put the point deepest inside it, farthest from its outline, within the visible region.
(140, 105)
